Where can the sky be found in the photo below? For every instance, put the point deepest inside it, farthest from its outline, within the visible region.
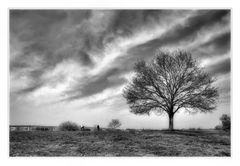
(72, 65)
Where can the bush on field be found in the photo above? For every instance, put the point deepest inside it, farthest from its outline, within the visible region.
(115, 123)
(226, 122)
(218, 127)
(68, 126)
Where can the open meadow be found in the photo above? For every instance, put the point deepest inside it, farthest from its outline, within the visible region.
(120, 143)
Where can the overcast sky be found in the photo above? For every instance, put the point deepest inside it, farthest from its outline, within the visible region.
(73, 64)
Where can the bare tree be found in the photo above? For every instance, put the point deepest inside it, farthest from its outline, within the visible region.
(170, 82)
(115, 123)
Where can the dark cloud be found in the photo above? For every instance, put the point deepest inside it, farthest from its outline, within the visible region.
(14, 65)
(219, 42)
(127, 21)
(217, 46)
(34, 24)
(85, 58)
(33, 84)
(77, 16)
(181, 32)
(220, 68)
(189, 29)
(92, 85)
(32, 87)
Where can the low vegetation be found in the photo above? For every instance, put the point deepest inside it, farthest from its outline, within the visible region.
(121, 143)
(68, 126)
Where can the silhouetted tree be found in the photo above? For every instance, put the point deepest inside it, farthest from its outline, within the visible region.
(171, 81)
(115, 123)
(226, 122)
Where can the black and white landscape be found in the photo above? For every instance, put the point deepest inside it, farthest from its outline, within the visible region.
(120, 82)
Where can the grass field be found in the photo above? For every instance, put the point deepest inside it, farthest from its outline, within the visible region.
(121, 143)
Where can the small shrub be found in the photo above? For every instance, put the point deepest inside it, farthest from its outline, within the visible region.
(68, 126)
(115, 123)
(218, 127)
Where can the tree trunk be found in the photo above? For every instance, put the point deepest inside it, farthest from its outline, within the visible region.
(170, 127)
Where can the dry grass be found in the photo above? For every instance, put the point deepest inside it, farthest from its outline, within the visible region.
(121, 143)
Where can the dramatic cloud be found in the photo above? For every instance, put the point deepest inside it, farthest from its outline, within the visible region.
(71, 59)
(220, 68)
(94, 85)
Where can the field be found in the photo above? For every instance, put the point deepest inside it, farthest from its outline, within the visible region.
(121, 143)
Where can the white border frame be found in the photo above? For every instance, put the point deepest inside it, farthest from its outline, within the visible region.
(123, 4)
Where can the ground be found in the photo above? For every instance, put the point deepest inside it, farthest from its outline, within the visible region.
(120, 143)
